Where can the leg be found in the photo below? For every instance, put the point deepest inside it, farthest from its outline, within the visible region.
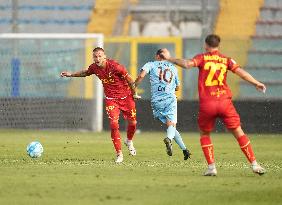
(115, 135)
(246, 148)
(113, 115)
(208, 151)
(131, 127)
(232, 121)
(206, 121)
(129, 113)
(179, 141)
(170, 133)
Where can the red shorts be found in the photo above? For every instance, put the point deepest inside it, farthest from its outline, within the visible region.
(127, 106)
(224, 109)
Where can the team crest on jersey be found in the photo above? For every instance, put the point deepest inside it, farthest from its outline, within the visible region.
(218, 93)
(109, 79)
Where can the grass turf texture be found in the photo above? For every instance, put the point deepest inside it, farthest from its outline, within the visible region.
(79, 168)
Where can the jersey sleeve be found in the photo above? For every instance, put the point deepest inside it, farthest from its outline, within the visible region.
(232, 65)
(90, 70)
(197, 60)
(147, 67)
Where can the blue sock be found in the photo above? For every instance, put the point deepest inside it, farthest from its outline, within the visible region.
(179, 141)
(170, 132)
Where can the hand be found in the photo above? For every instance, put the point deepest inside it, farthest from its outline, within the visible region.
(136, 96)
(65, 74)
(261, 87)
(165, 54)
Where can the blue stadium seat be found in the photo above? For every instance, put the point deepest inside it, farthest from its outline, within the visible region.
(264, 59)
(267, 44)
(265, 55)
(69, 16)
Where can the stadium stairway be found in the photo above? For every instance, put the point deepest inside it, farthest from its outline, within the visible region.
(265, 54)
(111, 18)
(236, 24)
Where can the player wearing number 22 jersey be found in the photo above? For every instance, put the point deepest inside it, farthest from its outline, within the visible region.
(164, 82)
(215, 99)
(214, 94)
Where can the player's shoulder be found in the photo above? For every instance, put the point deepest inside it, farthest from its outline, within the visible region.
(112, 62)
(92, 66)
(115, 65)
(147, 66)
(229, 59)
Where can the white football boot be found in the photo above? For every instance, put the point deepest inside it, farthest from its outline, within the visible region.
(130, 147)
(211, 171)
(119, 158)
(258, 169)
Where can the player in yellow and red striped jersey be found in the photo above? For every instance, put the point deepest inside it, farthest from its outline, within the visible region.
(215, 99)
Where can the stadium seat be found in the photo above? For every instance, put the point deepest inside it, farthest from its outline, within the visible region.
(264, 57)
(47, 16)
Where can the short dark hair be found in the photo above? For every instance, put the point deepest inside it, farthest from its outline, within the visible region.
(212, 40)
(98, 49)
(159, 53)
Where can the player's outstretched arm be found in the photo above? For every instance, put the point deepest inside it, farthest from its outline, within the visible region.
(249, 78)
(82, 73)
(180, 62)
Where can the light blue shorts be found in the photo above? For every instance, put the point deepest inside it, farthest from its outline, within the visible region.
(165, 110)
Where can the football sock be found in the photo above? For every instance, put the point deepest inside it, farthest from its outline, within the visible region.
(207, 148)
(131, 128)
(115, 135)
(179, 141)
(246, 148)
(116, 139)
(170, 132)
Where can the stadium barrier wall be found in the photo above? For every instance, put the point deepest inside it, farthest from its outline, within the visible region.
(54, 113)
(46, 113)
(256, 117)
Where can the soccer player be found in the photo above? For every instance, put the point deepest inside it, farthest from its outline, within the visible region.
(119, 96)
(164, 82)
(215, 99)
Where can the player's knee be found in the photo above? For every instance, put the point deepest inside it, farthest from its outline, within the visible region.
(114, 125)
(132, 124)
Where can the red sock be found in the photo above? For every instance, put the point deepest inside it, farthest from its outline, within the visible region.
(207, 148)
(116, 139)
(246, 147)
(131, 128)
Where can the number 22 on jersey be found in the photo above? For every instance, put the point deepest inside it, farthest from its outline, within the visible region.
(213, 67)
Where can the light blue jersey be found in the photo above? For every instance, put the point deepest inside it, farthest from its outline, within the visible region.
(163, 79)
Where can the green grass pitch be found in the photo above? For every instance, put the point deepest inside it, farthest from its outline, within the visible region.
(78, 168)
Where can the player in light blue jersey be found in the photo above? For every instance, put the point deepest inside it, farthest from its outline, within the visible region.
(164, 82)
